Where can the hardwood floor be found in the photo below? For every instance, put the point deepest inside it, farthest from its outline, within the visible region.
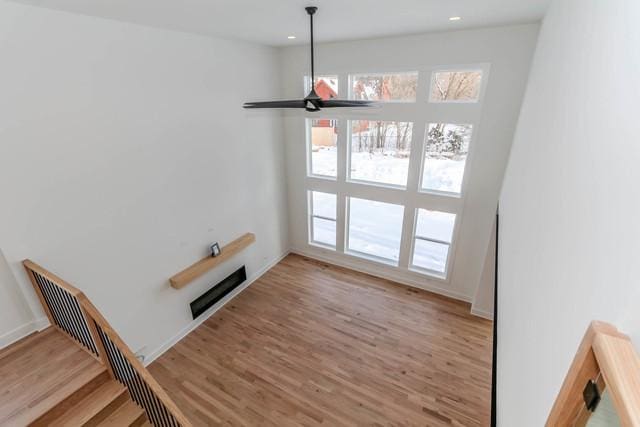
(36, 372)
(312, 344)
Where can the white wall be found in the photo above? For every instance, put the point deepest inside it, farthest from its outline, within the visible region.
(508, 52)
(484, 297)
(124, 152)
(16, 319)
(569, 229)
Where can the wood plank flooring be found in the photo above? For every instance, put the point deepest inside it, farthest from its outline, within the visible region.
(313, 344)
(39, 371)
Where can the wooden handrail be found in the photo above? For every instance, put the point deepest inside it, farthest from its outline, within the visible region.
(94, 320)
(608, 355)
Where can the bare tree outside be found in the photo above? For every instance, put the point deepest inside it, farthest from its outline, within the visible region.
(456, 86)
(385, 87)
(447, 147)
(380, 151)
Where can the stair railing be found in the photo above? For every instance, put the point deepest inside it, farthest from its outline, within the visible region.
(70, 311)
(605, 361)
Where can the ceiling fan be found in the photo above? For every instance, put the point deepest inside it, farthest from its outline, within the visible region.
(312, 102)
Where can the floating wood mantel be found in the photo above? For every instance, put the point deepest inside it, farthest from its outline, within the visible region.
(189, 274)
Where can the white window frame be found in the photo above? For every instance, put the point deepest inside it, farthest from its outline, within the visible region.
(384, 73)
(364, 181)
(359, 254)
(423, 162)
(421, 113)
(311, 216)
(453, 70)
(309, 145)
(447, 264)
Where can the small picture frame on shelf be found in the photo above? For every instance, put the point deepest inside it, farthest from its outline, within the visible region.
(215, 250)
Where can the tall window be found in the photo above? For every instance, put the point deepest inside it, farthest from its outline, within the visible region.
(446, 150)
(322, 221)
(397, 171)
(375, 228)
(379, 151)
(433, 236)
(323, 159)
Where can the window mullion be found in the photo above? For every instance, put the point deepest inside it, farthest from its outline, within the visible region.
(406, 241)
(341, 209)
(416, 156)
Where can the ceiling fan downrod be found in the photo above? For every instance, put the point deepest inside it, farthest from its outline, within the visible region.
(312, 102)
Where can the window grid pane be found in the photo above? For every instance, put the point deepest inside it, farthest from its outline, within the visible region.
(322, 218)
(433, 237)
(375, 228)
(434, 225)
(446, 151)
(385, 87)
(326, 86)
(455, 86)
(323, 146)
(324, 231)
(430, 255)
(379, 151)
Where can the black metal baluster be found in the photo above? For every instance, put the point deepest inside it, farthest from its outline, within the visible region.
(149, 405)
(163, 410)
(48, 299)
(61, 309)
(64, 311)
(63, 297)
(142, 398)
(111, 356)
(167, 413)
(84, 326)
(78, 321)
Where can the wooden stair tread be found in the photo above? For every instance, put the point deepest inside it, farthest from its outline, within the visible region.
(129, 414)
(41, 371)
(111, 393)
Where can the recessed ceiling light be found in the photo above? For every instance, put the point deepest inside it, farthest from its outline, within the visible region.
(291, 37)
(455, 18)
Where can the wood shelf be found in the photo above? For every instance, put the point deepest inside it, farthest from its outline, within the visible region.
(191, 273)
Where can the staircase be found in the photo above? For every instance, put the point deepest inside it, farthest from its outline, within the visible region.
(77, 372)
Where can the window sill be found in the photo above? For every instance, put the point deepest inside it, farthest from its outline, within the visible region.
(429, 273)
(373, 258)
(322, 246)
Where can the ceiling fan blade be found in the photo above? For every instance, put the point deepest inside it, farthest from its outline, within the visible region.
(290, 103)
(346, 103)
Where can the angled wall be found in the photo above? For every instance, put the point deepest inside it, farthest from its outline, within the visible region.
(569, 228)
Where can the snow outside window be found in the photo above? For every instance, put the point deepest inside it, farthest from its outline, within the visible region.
(433, 236)
(375, 229)
(323, 160)
(379, 152)
(322, 220)
(446, 150)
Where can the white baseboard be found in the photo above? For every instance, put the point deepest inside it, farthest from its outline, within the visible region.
(203, 317)
(482, 313)
(22, 331)
(425, 285)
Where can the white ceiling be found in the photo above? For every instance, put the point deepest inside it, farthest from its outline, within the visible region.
(271, 21)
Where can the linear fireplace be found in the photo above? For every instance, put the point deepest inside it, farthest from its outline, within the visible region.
(217, 292)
